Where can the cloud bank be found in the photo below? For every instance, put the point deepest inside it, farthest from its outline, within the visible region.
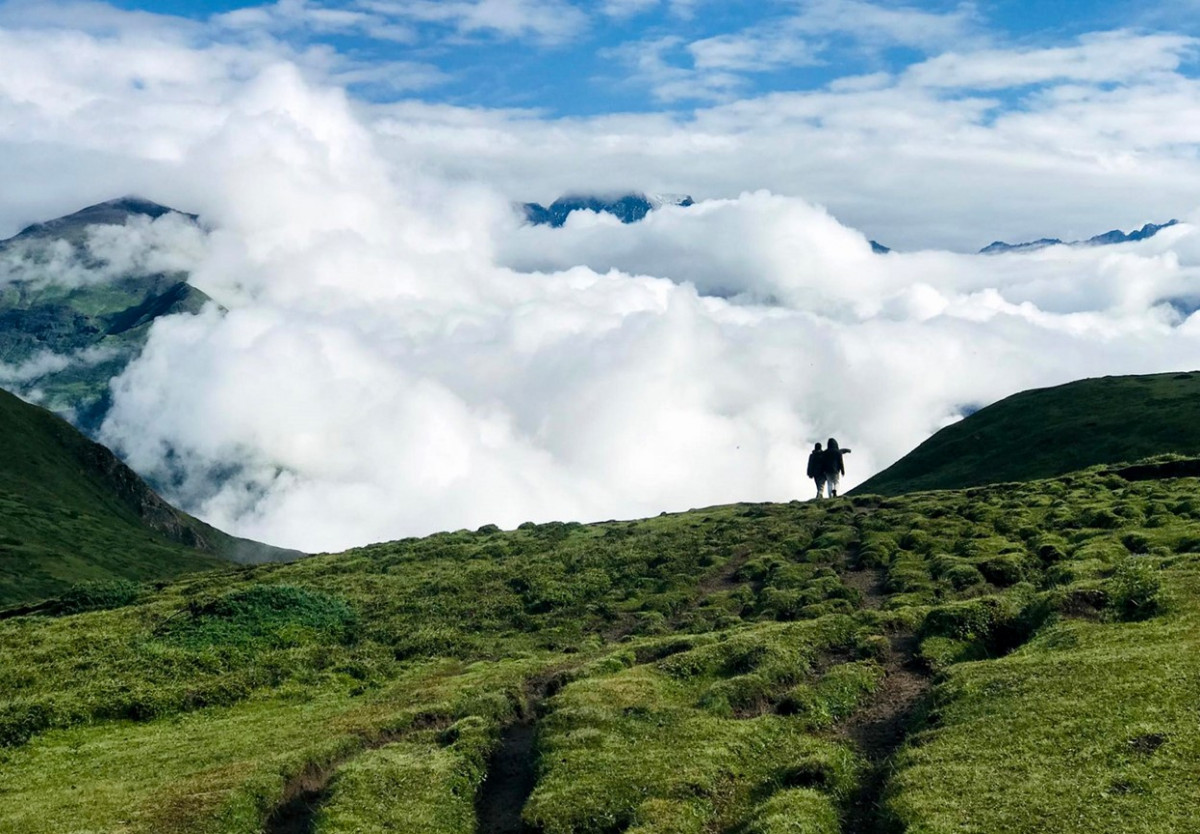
(400, 355)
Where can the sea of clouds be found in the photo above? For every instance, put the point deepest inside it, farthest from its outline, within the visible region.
(398, 353)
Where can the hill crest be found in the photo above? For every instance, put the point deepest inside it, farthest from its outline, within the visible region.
(1047, 432)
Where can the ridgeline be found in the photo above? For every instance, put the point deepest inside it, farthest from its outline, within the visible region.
(1052, 431)
(71, 512)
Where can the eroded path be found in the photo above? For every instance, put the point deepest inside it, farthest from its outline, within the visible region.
(879, 728)
(510, 780)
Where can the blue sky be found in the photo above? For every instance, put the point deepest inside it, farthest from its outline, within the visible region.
(567, 57)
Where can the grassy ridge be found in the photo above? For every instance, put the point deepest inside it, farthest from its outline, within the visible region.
(711, 670)
(1052, 431)
(70, 513)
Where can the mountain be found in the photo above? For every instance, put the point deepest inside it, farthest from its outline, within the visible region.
(109, 213)
(70, 318)
(71, 512)
(629, 208)
(1106, 239)
(1051, 431)
(1014, 658)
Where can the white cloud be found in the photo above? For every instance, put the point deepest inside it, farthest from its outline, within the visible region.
(400, 21)
(548, 21)
(751, 52)
(400, 355)
(1107, 57)
(169, 244)
(875, 24)
(627, 8)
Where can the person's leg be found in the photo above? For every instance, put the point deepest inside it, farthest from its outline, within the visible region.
(832, 482)
(820, 487)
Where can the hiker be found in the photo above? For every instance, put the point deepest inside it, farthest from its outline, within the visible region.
(816, 468)
(834, 467)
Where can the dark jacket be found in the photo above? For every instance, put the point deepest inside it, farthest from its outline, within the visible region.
(816, 464)
(833, 464)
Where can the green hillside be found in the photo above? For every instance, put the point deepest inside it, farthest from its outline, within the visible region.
(1015, 659)
(1052, 431)
(70, 512)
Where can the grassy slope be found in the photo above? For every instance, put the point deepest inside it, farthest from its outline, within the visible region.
(696, 672)
(62, 518)
(1052, 431)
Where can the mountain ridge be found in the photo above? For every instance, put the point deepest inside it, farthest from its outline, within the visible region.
(628, 208)
(71, 511)
(1047, 432)
(62, 341)
(1109, 238)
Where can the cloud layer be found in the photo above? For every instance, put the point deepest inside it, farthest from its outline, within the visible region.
(400, 355)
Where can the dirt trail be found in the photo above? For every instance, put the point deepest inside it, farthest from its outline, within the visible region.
(512, 768)
(723, 580)
(509, 782)
(869, 583)
(303, 796)
(881, 726)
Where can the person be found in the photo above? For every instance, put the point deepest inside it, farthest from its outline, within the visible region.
(835, 467)
(816, 468)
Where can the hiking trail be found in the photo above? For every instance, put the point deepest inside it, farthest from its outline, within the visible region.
(880, 728)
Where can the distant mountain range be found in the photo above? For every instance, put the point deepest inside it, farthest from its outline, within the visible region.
(1108, 238)
(634, 206)
(629, 208)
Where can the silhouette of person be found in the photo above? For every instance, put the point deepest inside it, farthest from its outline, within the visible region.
(835, 468)
(816, 468)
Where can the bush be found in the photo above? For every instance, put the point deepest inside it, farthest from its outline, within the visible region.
(97, 596)
(1135, 591)
(1003, 570)
(21, 720)
(743, 695)
(1136, 542)
(963, 576)
(276, 615)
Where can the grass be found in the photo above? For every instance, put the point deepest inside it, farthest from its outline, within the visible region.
(1090, 727)
(1052, 431)
(71, 514)
(688, 673)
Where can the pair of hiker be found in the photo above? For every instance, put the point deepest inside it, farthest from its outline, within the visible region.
(825, 466)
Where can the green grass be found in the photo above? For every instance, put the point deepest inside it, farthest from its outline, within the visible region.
(1052, 431)
(72, 514)
(694, 672)
(1090, 727)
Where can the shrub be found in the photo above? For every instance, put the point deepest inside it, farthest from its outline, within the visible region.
(744, 694)
(1135, 591)
(274, 615)
(23, 719)
(963, 576)
(1136, 542)
(1003, 570)
(97, 596)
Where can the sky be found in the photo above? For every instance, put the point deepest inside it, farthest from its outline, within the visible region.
(396, 352)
